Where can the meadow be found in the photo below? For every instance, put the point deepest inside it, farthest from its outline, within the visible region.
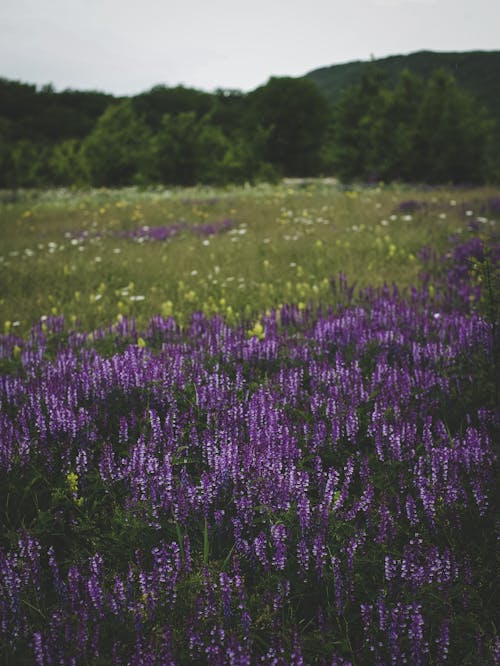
(249, 425)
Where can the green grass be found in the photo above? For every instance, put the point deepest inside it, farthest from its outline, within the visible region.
(289, 240)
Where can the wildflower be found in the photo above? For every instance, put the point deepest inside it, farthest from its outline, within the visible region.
(167, 308)
(257, 331)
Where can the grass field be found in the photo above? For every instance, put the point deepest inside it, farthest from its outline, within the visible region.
(65, 253)
(250, 426)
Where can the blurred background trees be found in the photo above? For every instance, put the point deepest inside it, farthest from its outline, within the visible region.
(117, 150)
(296, 115)
(421, 130)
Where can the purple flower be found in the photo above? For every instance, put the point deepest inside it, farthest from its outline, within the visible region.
(278, 535)
(443, 643)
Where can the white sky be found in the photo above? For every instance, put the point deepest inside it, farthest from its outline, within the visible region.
(127, 46)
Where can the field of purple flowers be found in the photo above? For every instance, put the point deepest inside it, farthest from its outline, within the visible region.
(320, 490)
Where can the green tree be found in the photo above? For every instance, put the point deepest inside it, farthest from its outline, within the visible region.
(46, 116)
(30, 164)
(358, 127)
(188, 150)
(296, 115)
(119, 149)
(229, 110)
(432, 132)
(7, 176)
(67, 163)
(243, 160)
(397, 142)
(452, 134)
(160, 100)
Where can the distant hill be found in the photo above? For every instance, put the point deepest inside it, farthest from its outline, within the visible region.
(478, 72)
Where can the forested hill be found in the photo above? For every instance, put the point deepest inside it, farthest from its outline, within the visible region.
(478, 72)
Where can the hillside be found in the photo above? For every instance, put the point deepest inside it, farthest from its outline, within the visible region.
(478, 72)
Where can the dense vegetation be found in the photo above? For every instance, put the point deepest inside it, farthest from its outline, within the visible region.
(420, 132)
(477, 72)
(217, 449)
(412, 128)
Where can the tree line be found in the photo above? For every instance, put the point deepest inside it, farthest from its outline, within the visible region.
(427, 131)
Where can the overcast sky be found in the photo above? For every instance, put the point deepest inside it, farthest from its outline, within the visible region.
(125, 46)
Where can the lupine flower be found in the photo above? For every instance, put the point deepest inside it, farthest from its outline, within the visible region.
(331, 445)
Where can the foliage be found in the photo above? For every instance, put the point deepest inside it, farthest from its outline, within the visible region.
(29, 164)
(117, 150)
(297, 115)
(188, 150)
(423, 130)
(476, 72)
(160, 100)
(430, 133)
(67, 164)
(46, 116)
(358, 129)
(452, 134)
